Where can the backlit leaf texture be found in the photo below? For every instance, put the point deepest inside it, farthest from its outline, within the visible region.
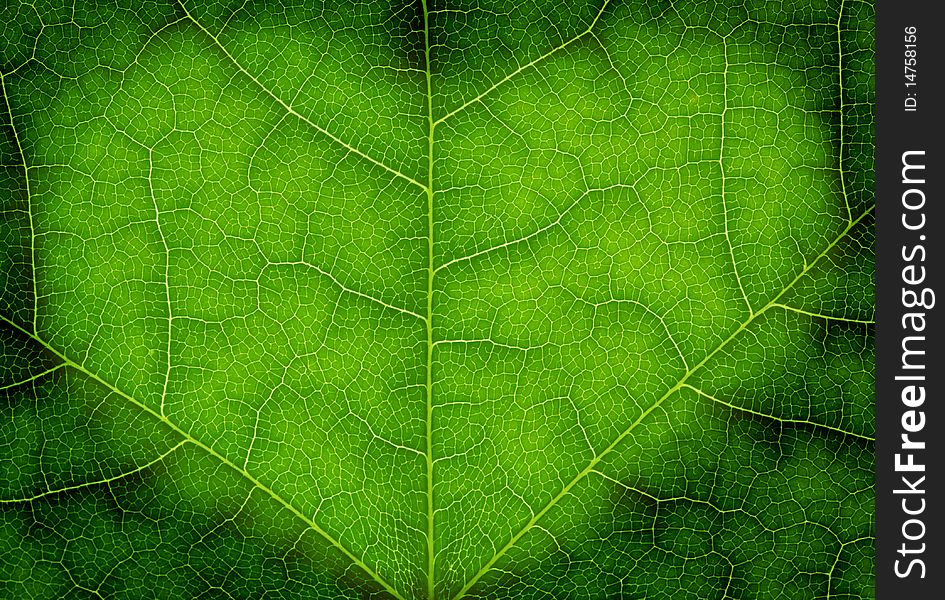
(465, 299)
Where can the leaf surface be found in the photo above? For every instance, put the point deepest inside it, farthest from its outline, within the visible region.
(437, 300)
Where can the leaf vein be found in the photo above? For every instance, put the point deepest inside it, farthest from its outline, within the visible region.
(294, 112)
(104, 480)
(778, 419)
(187, 437)
(525, 67)
(672, 390)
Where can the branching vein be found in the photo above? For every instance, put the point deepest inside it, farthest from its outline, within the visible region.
(295, 113)
(672, 390)
(187, 437)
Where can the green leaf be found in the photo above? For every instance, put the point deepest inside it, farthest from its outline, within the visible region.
(436, 300)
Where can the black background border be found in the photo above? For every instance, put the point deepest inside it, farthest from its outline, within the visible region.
(896, 132)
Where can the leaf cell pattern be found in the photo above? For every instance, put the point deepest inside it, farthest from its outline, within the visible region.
(436, 300)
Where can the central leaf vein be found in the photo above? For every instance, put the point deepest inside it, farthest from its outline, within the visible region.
(431, 272)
